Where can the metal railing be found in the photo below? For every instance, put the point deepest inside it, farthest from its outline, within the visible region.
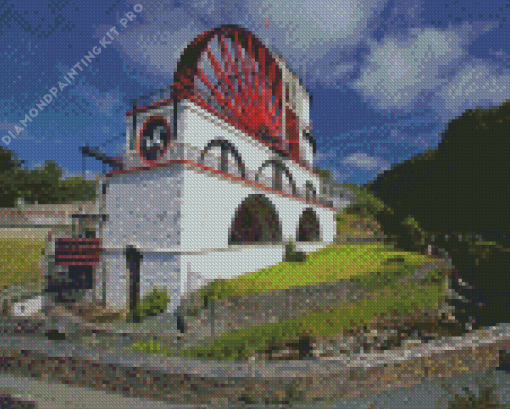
(212, 159)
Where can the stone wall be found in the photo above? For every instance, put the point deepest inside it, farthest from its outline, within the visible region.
(187, 381)
(276, 306)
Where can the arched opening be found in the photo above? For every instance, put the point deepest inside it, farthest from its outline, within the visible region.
(228, 152)
(255, 221)
(279, 171)
(309, 227)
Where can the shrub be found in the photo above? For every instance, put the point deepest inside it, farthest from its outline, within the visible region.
(153, 304)
(418, 237)
(366, 205)
(291, 255)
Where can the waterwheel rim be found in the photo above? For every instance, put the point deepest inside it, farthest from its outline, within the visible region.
(229, 72)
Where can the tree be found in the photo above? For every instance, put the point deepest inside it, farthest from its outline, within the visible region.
(10, 168)
(44, 185)
(78, 189)
(459, 186)
(324, 173)
(366, 204)
(443, 196)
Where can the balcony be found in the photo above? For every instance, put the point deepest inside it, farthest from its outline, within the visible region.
(212, 161)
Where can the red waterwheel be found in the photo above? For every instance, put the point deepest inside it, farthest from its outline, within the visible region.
(229, 72)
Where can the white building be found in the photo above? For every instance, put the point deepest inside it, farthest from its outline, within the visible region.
(215, 180)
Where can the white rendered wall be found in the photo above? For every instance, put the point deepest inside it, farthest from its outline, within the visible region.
(28, 307)
(301, 176)
(306, 150)
(238, 260)
(305, 104)
(161, 270)
(116, 279)
(197, 127)
(143, 209)
(208, 209)
(210, 204)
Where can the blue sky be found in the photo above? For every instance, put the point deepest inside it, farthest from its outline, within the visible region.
(386, 76)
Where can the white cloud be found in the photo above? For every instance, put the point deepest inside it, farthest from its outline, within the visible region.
(399, 70)
(312, 36)
(477, 84)
(403, 72)
(24, 135)
(363, 161)
(339, 176)
(104, 101)
(321, 156)
(159, 45)
(421, 140)
(317, 38)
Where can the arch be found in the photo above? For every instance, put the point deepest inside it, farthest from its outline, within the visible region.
(255, 221)
(280, 169)
(310, 191)
(226, 149)
(309, 227)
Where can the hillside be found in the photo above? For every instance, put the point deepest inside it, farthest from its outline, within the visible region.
(454, 197)
(457, 186)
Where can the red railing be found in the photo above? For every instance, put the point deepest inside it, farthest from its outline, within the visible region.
(77, 252)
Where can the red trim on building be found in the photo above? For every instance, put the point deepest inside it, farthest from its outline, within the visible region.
(217, 114)
(144, 108)
(80, 239)
(216, 172)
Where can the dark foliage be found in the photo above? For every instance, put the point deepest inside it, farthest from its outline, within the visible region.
(461, 185)
(292, 255)
(453, 196)
(42, 185)
(9, 168)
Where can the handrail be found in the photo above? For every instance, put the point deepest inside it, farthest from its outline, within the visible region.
(212, 159)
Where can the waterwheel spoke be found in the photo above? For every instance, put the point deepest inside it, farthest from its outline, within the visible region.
(221, 99)
(239, 60)
(229, 65)
(247, 75)
(218, 71)
(231, 72)
(225, 74)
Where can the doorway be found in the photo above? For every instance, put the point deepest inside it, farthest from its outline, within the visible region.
(133, 263)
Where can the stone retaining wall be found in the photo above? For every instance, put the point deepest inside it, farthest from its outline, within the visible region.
(276, 306)
(181, 380)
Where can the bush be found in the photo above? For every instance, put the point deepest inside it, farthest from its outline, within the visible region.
(418, 237)
(153, 304)
(366, 205)
(291, 255)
